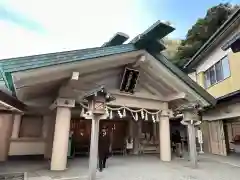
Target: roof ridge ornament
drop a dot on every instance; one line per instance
(118, 39)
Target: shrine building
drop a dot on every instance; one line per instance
(42, 105)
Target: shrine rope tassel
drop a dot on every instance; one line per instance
(121, 111)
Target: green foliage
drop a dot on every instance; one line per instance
(202, 30)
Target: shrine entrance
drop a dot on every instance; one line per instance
(175, 125)
(81, 135)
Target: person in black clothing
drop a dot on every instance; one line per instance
(173, 142)
(178, 142)
(103, 148)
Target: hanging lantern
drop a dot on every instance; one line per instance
(124, 112)
(142, 114)
(82, 112)
(146, 116)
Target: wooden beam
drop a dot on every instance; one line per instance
(152, 90)
(87, 79)
(162, 87)
(141, 59)
(171, 97)
(138, 95)
(75, 75)
(154, 76)
(177, 96)
(151, 84)
(58, 72)
(62, 102)
(95, 76)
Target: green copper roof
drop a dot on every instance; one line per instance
(156, 32)
(43, 60)
(151, 38)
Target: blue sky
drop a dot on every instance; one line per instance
(39, 26)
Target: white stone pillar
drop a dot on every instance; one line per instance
(94, 147)
(6, 124)
(16, 125)
(61, 136)
(165, 143)
(192, 144)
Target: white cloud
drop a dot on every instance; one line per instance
(68, 24)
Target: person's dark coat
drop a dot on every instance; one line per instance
(177, 137)
(103, 145)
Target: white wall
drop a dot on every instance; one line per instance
(217, 54)
(224, 112)
(25, 147)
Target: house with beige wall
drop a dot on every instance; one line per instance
(52, 86)
(216, 67)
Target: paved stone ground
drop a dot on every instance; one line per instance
(131, 168)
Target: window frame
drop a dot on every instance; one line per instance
(213, 67)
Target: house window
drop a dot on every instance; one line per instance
(217, 72)
(31, 127)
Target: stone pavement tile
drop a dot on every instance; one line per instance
(40, 178)
(152, 170)
(137, 168)
(232, 159)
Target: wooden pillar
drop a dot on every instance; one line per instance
(192, 144)
(94, 147)
(164, 137)
(131, 132)
(16, 125)
(131, 128)
(61, 136)
(137, 137)
(6, 125)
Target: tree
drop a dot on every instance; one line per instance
(202, 30)
(171, 47)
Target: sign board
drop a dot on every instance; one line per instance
(129, 80)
